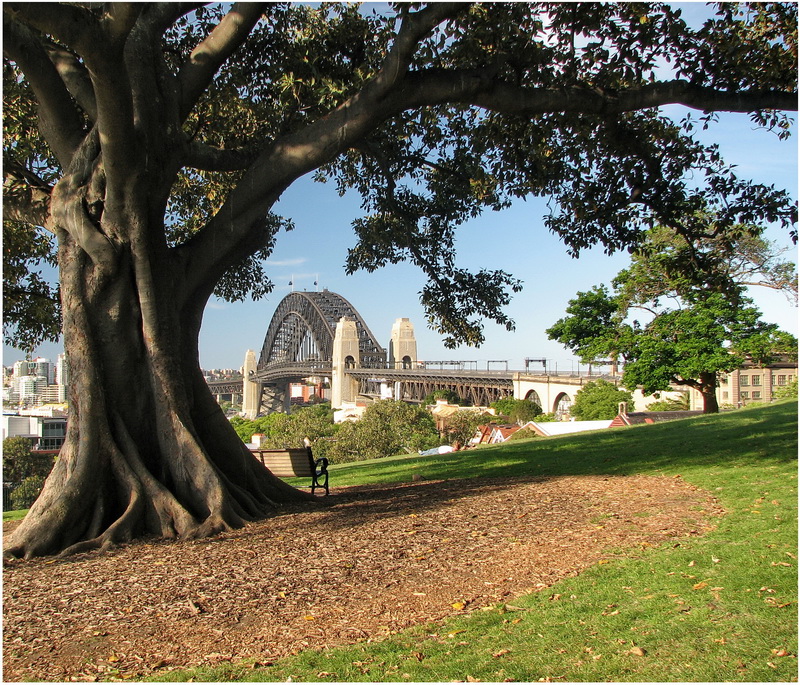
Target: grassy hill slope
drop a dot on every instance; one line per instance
(722, 607)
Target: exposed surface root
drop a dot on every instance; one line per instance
(380, 559)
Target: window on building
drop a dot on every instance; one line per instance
(755, 380)
(781, 380)
(724, 394)
(756, 394)
(744, 395)
(744, 380)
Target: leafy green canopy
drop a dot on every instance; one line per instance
(678, 313)
(433, 113)
(386, 428)
(598, 400)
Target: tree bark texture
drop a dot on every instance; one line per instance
(148, 450)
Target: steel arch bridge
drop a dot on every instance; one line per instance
(299, 344)
(300, 335)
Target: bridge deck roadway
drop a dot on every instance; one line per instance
(301, 371)
(479, 387)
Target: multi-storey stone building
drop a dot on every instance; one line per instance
(756, 383)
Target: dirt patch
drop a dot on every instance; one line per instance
(379, 560)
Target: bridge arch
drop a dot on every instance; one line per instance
(533, 396)
(562, 404)
(303, 327)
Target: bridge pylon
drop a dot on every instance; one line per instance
(403, 345)
(251, 389)
(346, 355)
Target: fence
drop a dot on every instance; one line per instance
(8, 488)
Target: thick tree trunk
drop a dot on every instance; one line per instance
(148, 450)
(708, 389)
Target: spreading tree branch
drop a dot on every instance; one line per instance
(100, 43)
(73, 25)
(161, 15)
(75, 77)
(60, 122)
(395, 89)
(415, 26)
(208, 158)
(212, 52)
(481, 88)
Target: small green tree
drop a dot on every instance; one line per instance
(273, 426)
(461, 426)
(517, 411)
(598, 400)
(689, 282)
(20, 462)
(312, 422)
(786, 391)
(25, 494)
(387, 427)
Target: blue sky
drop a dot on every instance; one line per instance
(514, 240)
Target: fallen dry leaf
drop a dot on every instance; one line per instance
(344, 565)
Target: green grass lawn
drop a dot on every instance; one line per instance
(722, 607)
(14, 515)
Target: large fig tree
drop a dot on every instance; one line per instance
(151, 140)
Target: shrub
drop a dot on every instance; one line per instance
(598, 400)
(461, 426)
(388, 427)
(785, 391)
(26, 492)
(19, 461)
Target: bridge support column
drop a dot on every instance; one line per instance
(403, 345)
(346, 354)
(251, 389)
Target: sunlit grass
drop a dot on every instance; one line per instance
(15, 515)
(722, 607)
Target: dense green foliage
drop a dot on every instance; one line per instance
(288, 430)
(787, 391)
(598, 400)
(696, 323)
(19, 462)
(25, 494)
(517, 411)
(460, 427)
(719, 607)
(387, 427)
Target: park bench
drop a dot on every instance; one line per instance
(296, 463)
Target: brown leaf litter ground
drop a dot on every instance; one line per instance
(381, 559)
